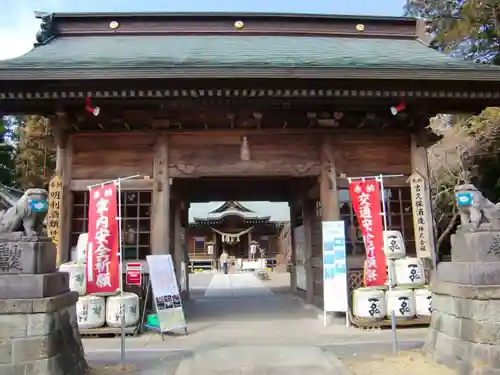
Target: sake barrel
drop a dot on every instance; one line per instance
(81, 247)
(369, 303)
(409, 272)
(394, 245)
(402, 301)
(90, 312)
(130, 308)
(76, 276)
(423, 301)
(73, 254)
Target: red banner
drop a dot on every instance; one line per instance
(365, 197)
(103, 263)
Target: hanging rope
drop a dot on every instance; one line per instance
(232, 238)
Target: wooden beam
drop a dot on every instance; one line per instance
(293, 224)
(178, 253)
(133, 185)
(419, 164)
(185, 225)
(308, 216)
(329, 196)
(160, 217)
(64, 159)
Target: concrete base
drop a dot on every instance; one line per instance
(465, 326)
(469, 273)
(483, 246)
(19, 255)
(41, 337)
(34, 286)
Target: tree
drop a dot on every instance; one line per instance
(7, 164)
(35, 161)
(468, 149)
(470, 28)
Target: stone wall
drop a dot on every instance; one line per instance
(465, 326)
(40, 336)
(38, 328)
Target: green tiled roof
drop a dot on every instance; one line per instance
(126, 52)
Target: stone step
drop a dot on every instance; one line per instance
(33, 286)
(470, 273)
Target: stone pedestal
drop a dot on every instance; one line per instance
(465, 326)
(38, 327)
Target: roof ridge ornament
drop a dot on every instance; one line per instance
(47, 30)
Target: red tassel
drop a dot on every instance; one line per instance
(88, 107)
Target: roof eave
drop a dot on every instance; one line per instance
(232, 15)
(95, 74)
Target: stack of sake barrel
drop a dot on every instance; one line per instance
(409, 297)
(94, 311)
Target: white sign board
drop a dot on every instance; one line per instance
(422, 219)
(166, 293)
(334, 266)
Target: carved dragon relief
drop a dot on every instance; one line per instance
(185, 169)
(305, 167)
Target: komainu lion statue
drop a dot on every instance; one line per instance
(27, 214)
(475, 210)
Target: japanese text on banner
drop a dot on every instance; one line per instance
(365, 197)
(102, 253)
(421, 216)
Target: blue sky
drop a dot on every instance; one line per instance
(18, 26)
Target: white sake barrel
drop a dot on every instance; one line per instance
(73, 254)
(423, 302)
(90, 312)
(394, 245)
(130, 307)
(409, 272)
(77, 280)
(402, 301)
(81, 247)
(369, 303)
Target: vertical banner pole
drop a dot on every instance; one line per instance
(389, 268)
(120, 249)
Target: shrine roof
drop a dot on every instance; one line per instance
(261, 211)
(232, 208)
(207, 45)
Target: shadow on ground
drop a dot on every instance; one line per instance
(368, 350)
(144, 362)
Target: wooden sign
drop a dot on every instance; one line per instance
(422, 220)
(54, 212)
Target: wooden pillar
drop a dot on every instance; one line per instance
(329, 197)
(185, 223)
(293, 224)
(178, 253)
(64, 163)
(249, 243)
(419, 164)
(160, 218)
(309, 208)
(214, 255)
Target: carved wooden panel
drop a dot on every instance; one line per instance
(283, 155)
(112, 156)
